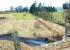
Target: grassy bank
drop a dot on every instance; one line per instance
(58, 17)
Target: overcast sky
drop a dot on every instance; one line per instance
(6, 4)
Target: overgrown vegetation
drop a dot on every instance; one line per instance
(58, 17)
(42, 11)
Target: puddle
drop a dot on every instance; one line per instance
(29, 41)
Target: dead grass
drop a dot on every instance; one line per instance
(28, 28)
(8, 45)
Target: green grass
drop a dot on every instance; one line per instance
(24, 16)
(58, 17)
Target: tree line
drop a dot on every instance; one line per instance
(34, 8)
(38, 10)
(19, 9)
(42, 11)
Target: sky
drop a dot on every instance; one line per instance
(6, 4)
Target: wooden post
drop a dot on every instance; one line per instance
(15, 40)
(66, 7)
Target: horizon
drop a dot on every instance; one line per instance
(6, 4)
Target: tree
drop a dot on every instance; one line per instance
(19, 9)
(16, 9)
(11, 9)
(33, 8)
(51, 9)
(39, 7)
(25, 9)
(54, 9)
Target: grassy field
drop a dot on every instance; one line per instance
(57, 17)
(19, 16)
(24, 16)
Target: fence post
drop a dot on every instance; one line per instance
(66, 7)
(15, 39)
